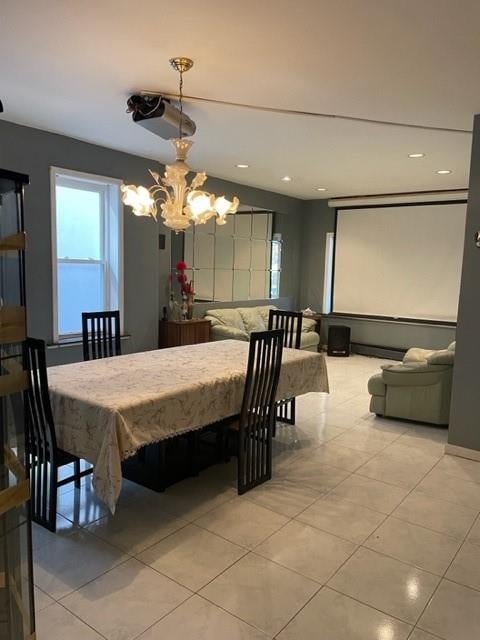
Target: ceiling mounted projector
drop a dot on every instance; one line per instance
(159, 116)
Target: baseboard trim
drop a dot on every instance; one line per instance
(462, 452)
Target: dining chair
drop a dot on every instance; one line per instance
(255, 424)
(101, 334)
(291, 323)
(44, 458)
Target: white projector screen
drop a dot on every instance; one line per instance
(399, 261)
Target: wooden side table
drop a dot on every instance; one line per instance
(177, 333)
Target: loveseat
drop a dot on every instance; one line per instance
(419, 389)
(238, 324)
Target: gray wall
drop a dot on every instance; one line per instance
(33, 152)
(464, 428)
(318, 220)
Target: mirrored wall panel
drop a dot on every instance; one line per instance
(240, 260)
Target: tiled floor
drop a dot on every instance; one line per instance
(367, 532)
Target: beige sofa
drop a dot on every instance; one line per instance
(237, 324)
(419, 389)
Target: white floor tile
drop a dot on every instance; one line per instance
(334, 616)
(194, 497)
(42, 600)
(67, 563)
(418, 634)
(309, 551)
(465, 569)
(198, 619)
(400, 472)
(446, 487)
(192, 556)
(453, 613)
(393, 587)
(373, 494)
(261, 593)
(136, 526)
(242, 522)
(337, 456)
(81, 506)
(474, 534)
(309, 472)
(342, 518)
(460, 468)
(445, 517)
(283, 496)
(127, 600)
(56, 623)
(416, 545)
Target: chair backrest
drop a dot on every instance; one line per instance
(39, 412)
(290, 322)
(257, 416)
(101, 334)
(41, 440)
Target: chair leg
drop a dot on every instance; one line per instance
(52, 499)
(77, 471)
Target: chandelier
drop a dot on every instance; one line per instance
(180, 204)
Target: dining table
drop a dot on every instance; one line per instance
(106, 410)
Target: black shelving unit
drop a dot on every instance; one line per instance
(16, 584)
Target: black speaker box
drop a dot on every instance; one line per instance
(338, 341)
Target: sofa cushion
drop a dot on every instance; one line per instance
(228, 317)
(415, 354)
(252, 319)
(264, 311)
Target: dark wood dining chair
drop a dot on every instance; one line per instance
(43, 455)
(255, 424)
(101, 334)
(291, 323)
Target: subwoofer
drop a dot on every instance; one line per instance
(338, 341)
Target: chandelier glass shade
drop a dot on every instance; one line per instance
(181, 203)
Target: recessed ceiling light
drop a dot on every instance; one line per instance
(443, 172)
(286, 179)
(242, 166)
(321, 189)
(416, 155)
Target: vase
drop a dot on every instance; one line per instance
(189, 306)
(184, 307)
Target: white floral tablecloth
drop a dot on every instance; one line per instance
(105, 410)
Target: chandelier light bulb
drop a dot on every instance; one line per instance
(140, 199)
(199, 202)
(222, 205)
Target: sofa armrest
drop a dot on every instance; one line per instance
(224, 332)
(308, 324)
(444, 356)
(411, 375)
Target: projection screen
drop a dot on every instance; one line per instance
(399, 261)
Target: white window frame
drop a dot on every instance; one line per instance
(112, 239)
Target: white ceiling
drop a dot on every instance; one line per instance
(69, 66)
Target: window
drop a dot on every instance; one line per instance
(328, 276)
(275, 266)
(87, 247)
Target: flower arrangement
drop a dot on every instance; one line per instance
(186, 287)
